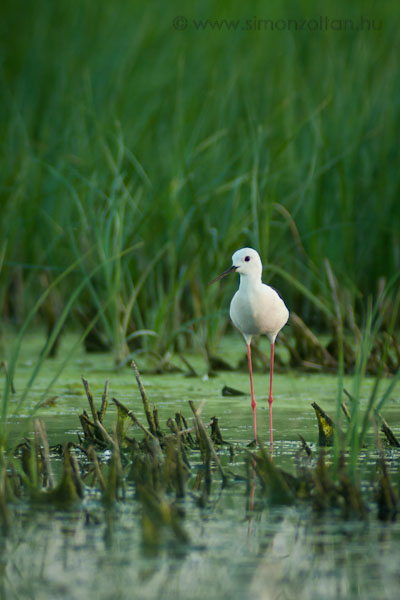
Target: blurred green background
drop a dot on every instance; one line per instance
(140, 156)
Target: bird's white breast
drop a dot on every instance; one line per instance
(258, 309)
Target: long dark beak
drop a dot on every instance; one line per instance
(224, 274)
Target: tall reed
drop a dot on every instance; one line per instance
(281, 139)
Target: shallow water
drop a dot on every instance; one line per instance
(280, 553)
(233, 552)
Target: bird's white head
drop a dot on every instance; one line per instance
(247, 262)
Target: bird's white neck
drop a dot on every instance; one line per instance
(249, 280)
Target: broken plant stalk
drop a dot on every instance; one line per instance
(146, 405)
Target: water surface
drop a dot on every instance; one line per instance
(234, 552)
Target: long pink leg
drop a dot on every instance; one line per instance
(253, 402)
(270, 399)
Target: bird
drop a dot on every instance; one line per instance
(255, 309)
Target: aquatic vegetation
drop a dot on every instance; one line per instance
(164, 470)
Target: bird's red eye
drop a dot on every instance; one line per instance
(247, 258)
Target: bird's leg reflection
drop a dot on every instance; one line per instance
(252, 488)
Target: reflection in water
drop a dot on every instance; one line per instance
(280, 553)
(324, 559)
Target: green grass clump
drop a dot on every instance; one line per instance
(162, 151)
